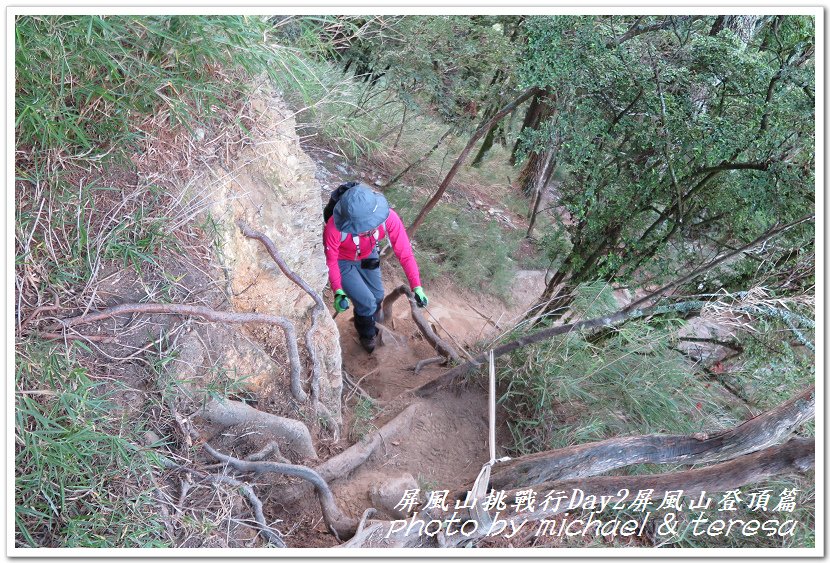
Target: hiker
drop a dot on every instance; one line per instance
(357, 218)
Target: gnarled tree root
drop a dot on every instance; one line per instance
(293, 432)
(344, 463)
(211, 315)
(319, 309)
(435, 341)
(339, 523)
(270, 534)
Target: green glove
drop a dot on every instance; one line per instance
(341, 302)
(420, 296)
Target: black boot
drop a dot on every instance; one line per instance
(367, 331)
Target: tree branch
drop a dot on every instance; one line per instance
(435, 341)
(527, 94)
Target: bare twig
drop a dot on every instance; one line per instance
(210, 315)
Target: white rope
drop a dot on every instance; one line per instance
(482, 482)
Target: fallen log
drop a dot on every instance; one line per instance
(585, 460)
(796, 456)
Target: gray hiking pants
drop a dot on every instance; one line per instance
(364, 287)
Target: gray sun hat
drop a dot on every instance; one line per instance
(360, 210)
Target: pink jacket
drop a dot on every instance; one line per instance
(346, 250)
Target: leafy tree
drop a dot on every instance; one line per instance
(676, 137)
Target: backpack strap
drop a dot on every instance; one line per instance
(356, 239)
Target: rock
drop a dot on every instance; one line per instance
(479, 202)
(342, 168)
(199, 133)
(273, 187)
(379, 182)
(388, 493)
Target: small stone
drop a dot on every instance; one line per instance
(479, 202)
(386, 494)
(199, 133)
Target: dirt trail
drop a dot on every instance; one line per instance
(447, 443)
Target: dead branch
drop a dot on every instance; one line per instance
(796, 456)
(445, 183)
(601, 323)
(210, 315)
(232, 413)
(585, 460)
(339, 523)
(435, 341)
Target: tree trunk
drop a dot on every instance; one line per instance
(463, 156)
(586, 460)
(420, 160)
(542, 179)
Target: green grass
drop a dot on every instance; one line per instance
(466, 247)
(80, 480)
(81, 81)
(568, 390)
(364, 413)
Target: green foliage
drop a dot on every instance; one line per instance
(83, 81)
(450, 66)
(473, 251)
(364, 412)
(674, 142)
(568, 390)
(79, 479)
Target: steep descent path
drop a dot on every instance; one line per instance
(447, 441)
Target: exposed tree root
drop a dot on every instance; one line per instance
(211, 315)
(270, 534)
(344, 463)
(428, 361)
(586, 460)
(319, 309)
(435, 341)
(271, 449)
(339, 523)
(796, 456)
(231, 413)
